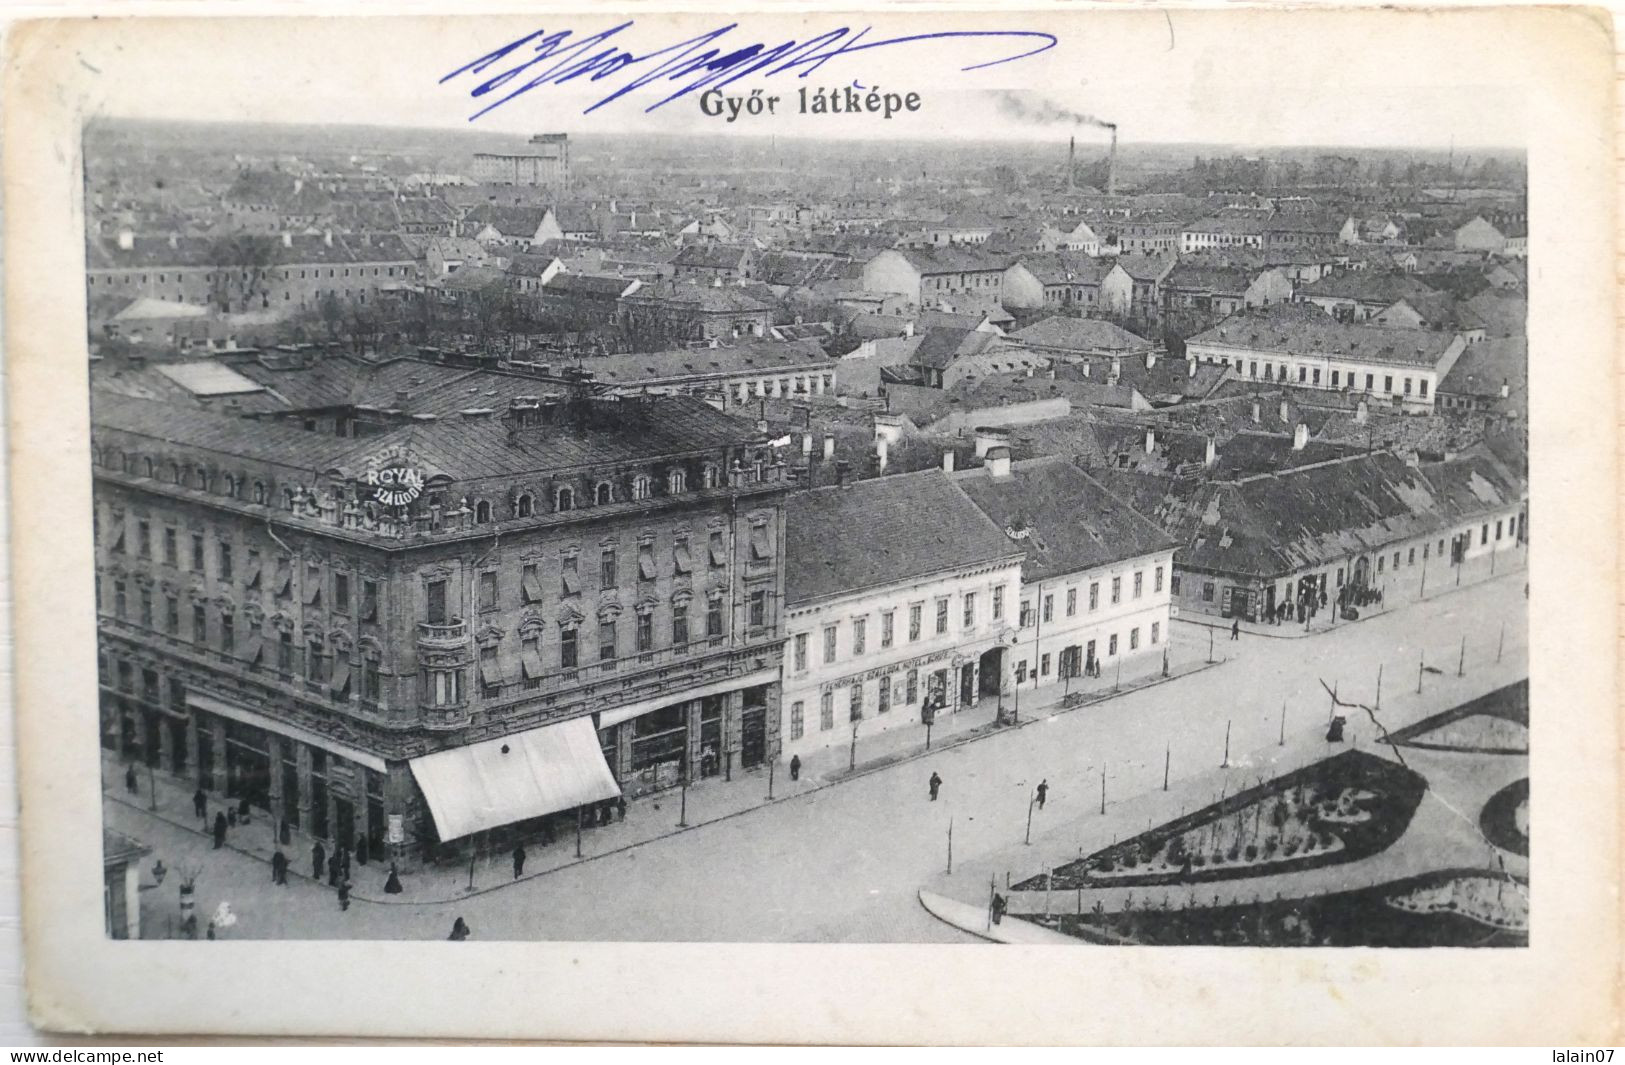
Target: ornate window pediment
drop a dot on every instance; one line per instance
(682, 596)
(570, 616)
(488, 635)
(646, 605)
(531, 624)
(609, 611)
(281, 622)
(340, 641)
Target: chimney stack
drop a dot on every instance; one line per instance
(126, 240)
(1071, 164)
(948, 461)
(1150, 441)
(806, 443)
(1150, 360)
(1190, 366)
(829, 447)
(842, 468)
(1506, 388)
(1258, 414)
(1111, 166)
(287, 240)
(1360, 413)
(1285, 414)
(881, 456)
(1212, 455)
(1300, 436)
(998, 462)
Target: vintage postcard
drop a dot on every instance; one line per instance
(757, 526)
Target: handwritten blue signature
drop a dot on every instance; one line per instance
(694, 59)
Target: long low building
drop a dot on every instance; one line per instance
(1300, 344)
(1247, 545)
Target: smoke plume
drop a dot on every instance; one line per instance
(1033, 109)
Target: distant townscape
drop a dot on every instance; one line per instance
(464, 502)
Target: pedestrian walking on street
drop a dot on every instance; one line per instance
(459, 931)
(242, 810)
(620, 807)
(333, 870)
(231, 816)
(318, 860)
(1043, 791)
(392, 886)
(998, 907)
(200, 805)
(129, 779)
(343, 854)
(795, 767)
(518, 861)
(279, 868)
(936, 782)
(219, 830)
(344, 894)
(361, 850)
(1235, 629)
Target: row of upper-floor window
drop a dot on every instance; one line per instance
(125, 278)
(1312, 376)
(575, 642)
(522, 504)
(1045, 606)
(536, 583)
(987, 279)
(858, 631)
(320, 658)
(323, 587)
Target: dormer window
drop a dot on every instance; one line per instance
(482, 512)
(564, 499)
(523, 507)
(604, 494)
(709, 476)
(642, 486)
(676, 481)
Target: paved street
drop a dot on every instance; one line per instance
(845, 863)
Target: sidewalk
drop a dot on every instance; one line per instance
(648, 819)
(1476, 572)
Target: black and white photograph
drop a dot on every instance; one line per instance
(1001, 479)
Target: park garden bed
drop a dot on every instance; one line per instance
(1497, 723)
(1505, 818)
(1448, 908)
(1340, 809)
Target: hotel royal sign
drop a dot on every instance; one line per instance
(394, 477)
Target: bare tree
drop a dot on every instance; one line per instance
(242, 265)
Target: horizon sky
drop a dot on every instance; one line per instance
(1333, 79)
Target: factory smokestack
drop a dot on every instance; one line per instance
(1111, 166)
(1071, 164)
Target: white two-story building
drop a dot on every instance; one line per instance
(900, 594)
(1096, 577)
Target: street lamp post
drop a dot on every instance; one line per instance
(1461, 663)
(1226, 763)
(852, 762)
(1031, 799)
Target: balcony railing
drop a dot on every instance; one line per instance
(446, 634)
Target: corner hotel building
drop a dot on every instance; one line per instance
(449, 627)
